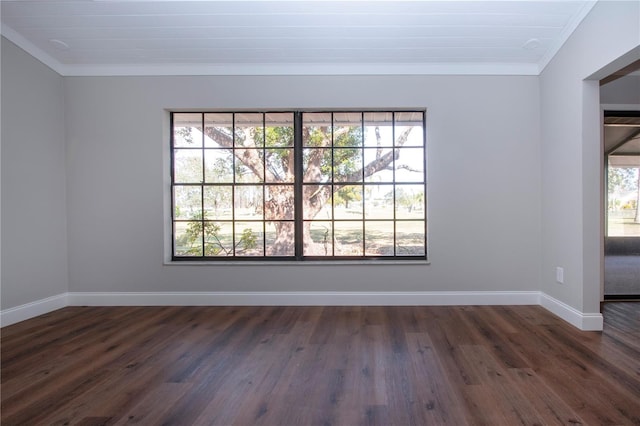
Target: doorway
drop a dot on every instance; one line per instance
(622, 204)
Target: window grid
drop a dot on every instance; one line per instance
(364, 223)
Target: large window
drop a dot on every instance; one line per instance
(298, 185)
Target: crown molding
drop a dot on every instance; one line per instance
(466, 68)
(304, 69)
(17, 39)
(566, 33)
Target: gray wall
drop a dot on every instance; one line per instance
(572, 152)
(514, 175)
(483, 188)
(623, 91)
(34, 231)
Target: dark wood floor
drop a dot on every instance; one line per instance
(320, 366)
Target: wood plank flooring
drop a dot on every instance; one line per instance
(465, 365)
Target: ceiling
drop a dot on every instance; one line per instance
(622, 136)
(126, 37)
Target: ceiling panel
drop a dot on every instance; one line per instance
(500, 35)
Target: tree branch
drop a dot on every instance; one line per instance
(379, 163)
(249, 157)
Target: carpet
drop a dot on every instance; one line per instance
(621, 275)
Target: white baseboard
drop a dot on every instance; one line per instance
(33, 309)
(305, 298)
(583, 321)
(588, 321)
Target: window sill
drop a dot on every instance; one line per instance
(295, 263)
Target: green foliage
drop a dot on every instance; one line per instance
(279, 136)
(409, 200)
(248, 240)
(270, 137)
(347, 194)
(215, 243)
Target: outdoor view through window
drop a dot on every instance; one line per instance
(623, 196)
(299, 185)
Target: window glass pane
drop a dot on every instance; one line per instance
(249, 239)
(317, 165)
(379, 164)
(348, 238)
(279, 165)
(378, 202)
(187, 165)
(283, 244)
(347, 129)
(218, 202)
(409, 167)
(408, 129)
(378, 129)
(410, 202)
(318, 238)
(188, 238)
(249, 166)
(249, 130)
(218, 165)
(347, 165)
(187, 202)
(347, 202)
(378, 239)
(280, 204)
(187, 130)
(410, 238)
(315, 202)
(218, 130)
(218, 238)
(316, 130)
(279, 129)
(248, 203)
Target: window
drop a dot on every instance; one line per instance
(298, 185)
(622, 152)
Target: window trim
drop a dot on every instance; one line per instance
(299, 257)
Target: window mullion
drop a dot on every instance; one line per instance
(234, 160)
(202, 215)
(297, 182)
(264, 184)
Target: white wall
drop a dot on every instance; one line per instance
(34, 231)
(572, 152)
(483, 189)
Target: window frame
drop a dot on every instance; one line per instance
(299, 184)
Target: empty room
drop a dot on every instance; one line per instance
(317, 212)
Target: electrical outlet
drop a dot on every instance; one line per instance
(560, 274)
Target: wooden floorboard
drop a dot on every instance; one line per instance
(466, 365)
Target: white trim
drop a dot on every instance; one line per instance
(304, 69)
(33, 50)
(566, 33)
(620, 107)
(33, 309)
(304, 298)
(583, 321)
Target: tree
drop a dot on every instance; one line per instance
(275, 164)
(624, 179)
(637, 218)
